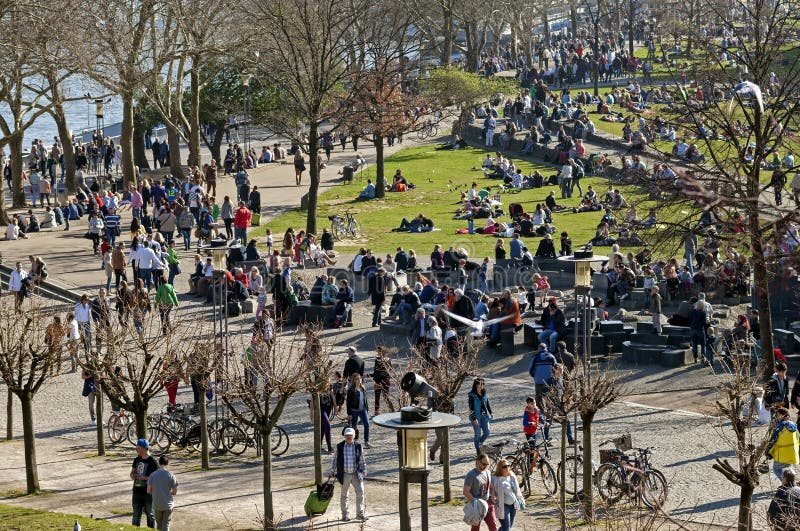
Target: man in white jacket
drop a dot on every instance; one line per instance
(16, 285)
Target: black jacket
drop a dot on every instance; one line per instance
(377, 289)
(353, 365)
(546, 249)
(559, 321)
(315, 295)
(352, 400)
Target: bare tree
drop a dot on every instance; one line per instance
(738, 135)
(116, 51)
(318, 382)
(256, 390)
(735, 405)
(592, 392)
(302, 56)
(26, 363)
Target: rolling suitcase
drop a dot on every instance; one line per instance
(255, 219)
(318, 500)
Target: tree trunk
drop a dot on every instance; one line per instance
(66, 148)
(761, 281)
(269, 513)
(313, 172)
(194, 115)
(573, 18)
(140, 414)
(562, 479)
(139, 151)
(546, 26)
(588, 501)
(4, 218)
(631, 15)
(448, 494)
(745, 507)
(175, 167)
(17, 185)
(204, 450)
(31, 472)
(9, 412)
(317, 415)
(447, 33)
(380, 177)
(216, 143)
(98, 408)
(126, 142)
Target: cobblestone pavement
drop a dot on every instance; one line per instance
(229, 495)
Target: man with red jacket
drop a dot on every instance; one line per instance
(241, 221)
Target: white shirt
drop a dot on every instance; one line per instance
(73, 330)
(83, 313)
(15, 280)
(12, 232)
(357, 263)
(148, 259)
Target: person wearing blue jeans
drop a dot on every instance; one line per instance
(143, 466)
(480, 413)
(357, 405)
(554, 324)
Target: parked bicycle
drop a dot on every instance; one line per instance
(619, 474)
(237, 437)
(527, 458)
(428, 130)
(117, 425)
(345, 225)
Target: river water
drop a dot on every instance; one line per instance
(80, 114)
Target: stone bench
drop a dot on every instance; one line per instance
(641, 354)
(305, 312)
(531, 331)
(396, 328)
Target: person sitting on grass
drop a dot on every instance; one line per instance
(368, 192)
(399, 183)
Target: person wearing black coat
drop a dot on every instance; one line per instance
(546, 248)
(377, 292)
(315, 295)
(353, 365)
(255, 201)
(697, 324)
(381, 378)
(280, 287)
(463, 306)
(326, 242)
(251, 252)
(554, 323)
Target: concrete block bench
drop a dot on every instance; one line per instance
(396, 328)
(531, 331)
(305, 312)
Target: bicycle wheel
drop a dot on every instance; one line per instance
(160, 438)
(434, 131)
(192, 436)
(337, 230)
(571, 474)
(283, 442)
(610, 483)
(654, 489)
(355, 228)
(519, 466)
(422, 133)
(214, 430)
(116, 429)
(548, 477)
(234, 439)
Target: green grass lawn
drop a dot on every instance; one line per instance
(440, 176)
(15, 518)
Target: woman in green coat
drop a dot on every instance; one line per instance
(165, 300)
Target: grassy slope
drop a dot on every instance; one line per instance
(421, 165)
(23, 518)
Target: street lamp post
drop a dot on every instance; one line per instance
(99, 114)
(412, 425)
(245, 77)
(582, 261)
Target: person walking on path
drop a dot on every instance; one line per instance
(697, 324)
(358, 405)
(89, 392)
(299, 166)
(377, 293)
(349, 468)
(241, 222)
(162, 486)
(353, 365)
(227, 215)
(480, 413)
(143, 466)
(165, 300)
(784, 444)
(478, 485)
(507, 495)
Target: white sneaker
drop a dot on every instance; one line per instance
(94, 422)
